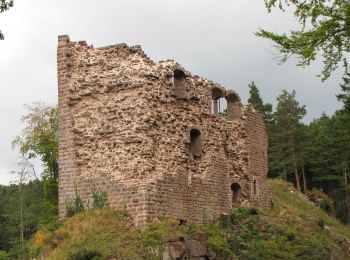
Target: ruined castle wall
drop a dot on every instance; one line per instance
(104, 106)
(257, 149)
(67, 162)
(197, 189)
(127, 124)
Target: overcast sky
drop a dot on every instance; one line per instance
(211, 38)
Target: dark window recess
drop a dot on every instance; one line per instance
(180, 84)
(196, 143)
(233, 109)
(182, 222)
(236, 192)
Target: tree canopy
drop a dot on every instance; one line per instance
(4, 6)
(325, 31)
(39, 137)
(257, 103)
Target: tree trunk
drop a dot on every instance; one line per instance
(304, 178)
(347, 205)
(296, 174)
(21, 218)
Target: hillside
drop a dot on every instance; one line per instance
(294, 229)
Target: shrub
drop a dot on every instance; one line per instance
(3, 255)
(321, 200)
(240, 213)
(291, 234)
(327, 205)
(84, 253)
(321, 223)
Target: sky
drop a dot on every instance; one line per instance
(211, 38)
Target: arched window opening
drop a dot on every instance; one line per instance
(196, 143)
(254, 187)
(180, 84)
(216, 94)
(236, 192)
(233, 106)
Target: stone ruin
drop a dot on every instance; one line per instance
(150, 134)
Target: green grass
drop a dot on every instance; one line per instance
(293, 229)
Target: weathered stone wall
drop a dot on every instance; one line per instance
(128, 125)
(257, 148)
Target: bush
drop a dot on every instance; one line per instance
(84, 254)
(321, 200)
(240, 213)
(3, 255)
(321, 223)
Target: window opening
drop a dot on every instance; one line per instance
(236, 192)
(196, 143)
(180, 84)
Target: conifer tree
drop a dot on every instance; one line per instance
(257, 103)
(287, 136)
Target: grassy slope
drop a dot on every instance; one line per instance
(293, 229)
(293, 213)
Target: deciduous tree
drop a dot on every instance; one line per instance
(325, 31)
(39, 137)
(4, 6)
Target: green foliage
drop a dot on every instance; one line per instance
(286, 136)
(257, 103)
(3, 255)
(218, 239)
(321, 223)
(4, 6)
(85, 253)
(102, 234)
(75, 205)
(39, 137)
(344, 96)
(154, 236)
(100, 198)
(34, 215)
(240, 213)
(321, 200)
(293, 229)
(324, 30)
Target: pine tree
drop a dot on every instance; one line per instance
(287, 137)
(257, 103)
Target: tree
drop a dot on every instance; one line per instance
(325, 30)
(4, 6)
(22, 175)
(39, 137)
(257, 103)
(287, 135)
(344, 97)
